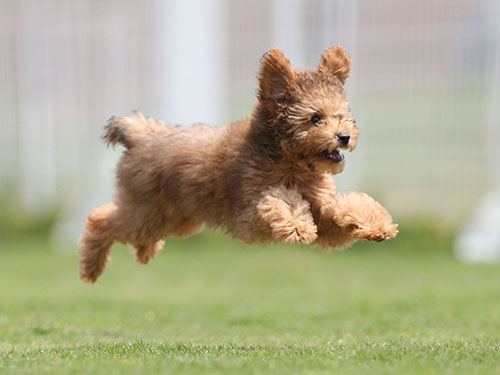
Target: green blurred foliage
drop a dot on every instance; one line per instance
(16, 221)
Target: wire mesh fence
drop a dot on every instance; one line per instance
(424, 88)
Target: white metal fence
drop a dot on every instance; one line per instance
(424, 88)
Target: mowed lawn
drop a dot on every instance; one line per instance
(211, 305)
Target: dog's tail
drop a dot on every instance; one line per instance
(128, 130)
(95, 244)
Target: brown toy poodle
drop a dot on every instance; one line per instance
(266, 178)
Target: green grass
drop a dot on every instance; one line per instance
(211, 305)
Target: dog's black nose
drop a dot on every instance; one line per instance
(343, 138)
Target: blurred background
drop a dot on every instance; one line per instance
(424, 88)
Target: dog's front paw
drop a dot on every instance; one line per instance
(302, 233)
(363, 217)
(300, 237)
(374, 233)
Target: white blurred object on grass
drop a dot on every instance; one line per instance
(479, 241)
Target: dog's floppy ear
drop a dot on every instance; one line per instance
(337, 62)
(275, 75)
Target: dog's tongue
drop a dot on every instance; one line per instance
(335, 154)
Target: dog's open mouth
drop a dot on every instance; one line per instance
(334, 156)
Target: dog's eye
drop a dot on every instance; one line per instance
(315, 119)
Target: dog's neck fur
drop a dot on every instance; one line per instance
(263, 140)
(264, 134)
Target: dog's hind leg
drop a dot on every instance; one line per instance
(185, 228)
(96, 242)
(144, 253)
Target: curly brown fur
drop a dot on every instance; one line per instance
(263, 179)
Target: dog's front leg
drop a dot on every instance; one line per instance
(362, 217)
(288, 215)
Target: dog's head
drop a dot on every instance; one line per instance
(307, 111)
